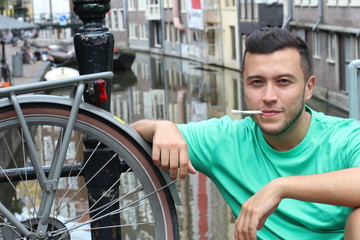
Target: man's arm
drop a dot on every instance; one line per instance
(339, 188)
(352, 229)
(169, 149)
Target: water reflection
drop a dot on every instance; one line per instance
(181, 91)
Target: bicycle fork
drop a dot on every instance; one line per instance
(48, 184)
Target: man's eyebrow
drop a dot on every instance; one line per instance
(249, 78)
(286, 75)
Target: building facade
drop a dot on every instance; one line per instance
(332, 29)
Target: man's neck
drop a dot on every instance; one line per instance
(292, 137)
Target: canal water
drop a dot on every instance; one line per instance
(180, 90)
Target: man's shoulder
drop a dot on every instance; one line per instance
(334, 123)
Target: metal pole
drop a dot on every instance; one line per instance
(353, 69)
(94, 46)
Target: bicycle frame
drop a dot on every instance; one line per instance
(49, 184)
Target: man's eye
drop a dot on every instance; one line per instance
(284, 81)
(256, 83)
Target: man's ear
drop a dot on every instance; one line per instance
(310, 84)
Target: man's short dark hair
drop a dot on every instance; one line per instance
(268, 40)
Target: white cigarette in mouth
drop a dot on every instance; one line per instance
(245, 112)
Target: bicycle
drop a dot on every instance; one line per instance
(47, 174)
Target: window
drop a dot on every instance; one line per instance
(233, 42)
(114, 19)
(297, 2)
(305, 3)
(249, 9)
(314, 3)
(242, 10)
(348, 57)
(172, 35)
(210, 35)
(331, 3)
(317, 45)
(354, 3)
(121, 19)
(229, 3)
(143, 33)
(131, 5)
(132, 30)
(343, 3)
(108, 22)
(167, 31)
(255, 12)
(331, 47)
(235, 93)
(142, 4)
(158, 34)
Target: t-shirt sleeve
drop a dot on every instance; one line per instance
(354, 145)
(351, 144)
(202, 139)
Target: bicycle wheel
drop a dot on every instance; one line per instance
(139, 209)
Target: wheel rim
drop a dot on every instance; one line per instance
(143, 227)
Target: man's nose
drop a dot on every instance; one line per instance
(270, 94)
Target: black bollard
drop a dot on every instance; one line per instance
(94, 46)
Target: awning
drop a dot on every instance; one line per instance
(10, 28)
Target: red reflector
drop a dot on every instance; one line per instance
(101, 84)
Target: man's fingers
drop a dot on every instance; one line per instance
(183, 164)
(156, 155)
(174, 158)
(191, 168)
(238, 227)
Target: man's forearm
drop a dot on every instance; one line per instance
(340, 188)
(146, 128)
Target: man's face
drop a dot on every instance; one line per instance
(274, 83)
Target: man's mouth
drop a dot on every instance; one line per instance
(269, 113)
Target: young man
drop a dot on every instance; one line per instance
(287, 173)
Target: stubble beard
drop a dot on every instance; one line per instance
(287, 124)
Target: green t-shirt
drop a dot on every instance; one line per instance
(235, 155)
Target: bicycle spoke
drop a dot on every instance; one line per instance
(132, 203)
(105, 227)
(118, 211)
(104, 207)
(85, 185)
(78, 175)
(16, 166)
(124, 198)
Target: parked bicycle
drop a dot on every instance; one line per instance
(45, 173)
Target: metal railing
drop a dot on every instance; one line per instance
(354, 98)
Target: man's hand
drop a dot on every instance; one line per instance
(170, 151)
(256, 210)
(169, 147)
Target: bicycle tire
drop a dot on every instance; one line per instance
(44, 116)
